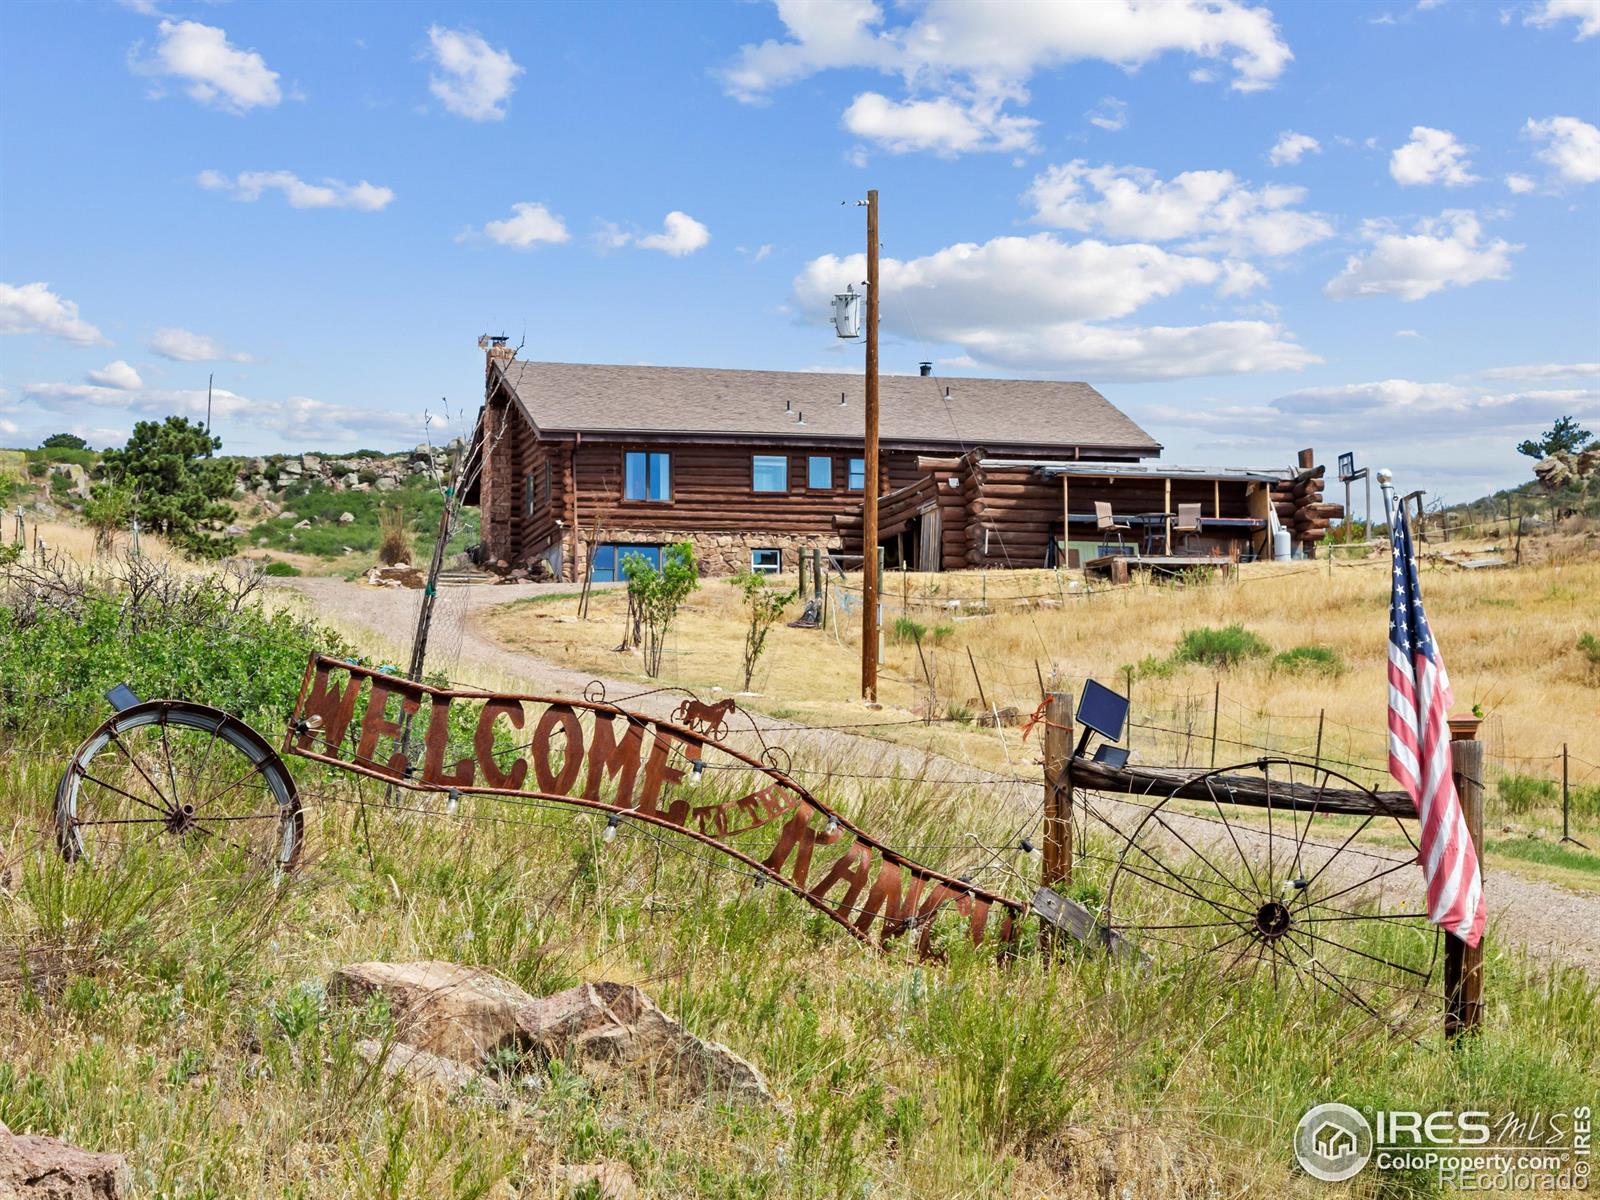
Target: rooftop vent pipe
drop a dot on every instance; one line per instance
(925, 367)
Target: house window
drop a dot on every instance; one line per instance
(858, 474)
(769, 473)
(530, 485)
(548, 476)
(608, 560)
(766, 562)
(819, 472)
(647, 476)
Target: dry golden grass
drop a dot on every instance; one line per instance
(1509, 637)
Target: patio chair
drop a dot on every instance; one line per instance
(1105, 523)
(1188, 525)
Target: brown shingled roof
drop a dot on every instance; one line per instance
(707, 402)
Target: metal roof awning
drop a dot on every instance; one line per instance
(1051, 468)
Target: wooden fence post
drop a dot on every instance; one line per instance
(1057, 790)
(1463, 964)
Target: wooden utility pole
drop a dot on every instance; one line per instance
(1463, 964)
(869, 507)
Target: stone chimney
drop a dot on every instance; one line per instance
(496, 349)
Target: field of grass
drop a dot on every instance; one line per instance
(172, 1005)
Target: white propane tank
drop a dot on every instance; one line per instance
(1282, 547)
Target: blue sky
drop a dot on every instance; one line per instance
(1252, 226)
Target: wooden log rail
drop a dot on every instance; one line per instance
(1157, 783)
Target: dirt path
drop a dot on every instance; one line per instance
(1554, 924)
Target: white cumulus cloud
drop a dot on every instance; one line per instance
(1038, 304)
(1431, 156)
(1570, 146)
(1550, 12)
(1110, 114)
(527, 226)
(944, 126)
(182, 345)
(214, 71)
(1520, 184)
(330, 193)
(1208, 210)
(981, 56)
(1291, 147)
(34, 308)
(1447, 251)
(680, 234)
(115, 375)
(472, 79)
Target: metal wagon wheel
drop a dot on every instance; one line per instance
(169, 771)
(1282, 893)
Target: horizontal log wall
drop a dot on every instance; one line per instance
(711, 490)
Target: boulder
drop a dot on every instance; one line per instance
(604, 1180)
(347, 518)
(447, 1010)
(288, 514)
(235, 531)
(387, 483)
(605, 1027)
(48, 1168)
(302, 524)
(418, 1068)
(310, 463)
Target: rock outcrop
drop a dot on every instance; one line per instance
(33, 1167)
(603, 1029)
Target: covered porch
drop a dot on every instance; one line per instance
(976, 511)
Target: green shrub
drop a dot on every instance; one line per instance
(1148, 667)
(1520, 793)
(1310, 660)
(279, 569)
(906, 630)
(1225, 647)
(942, 633)
(1589, 646)
(67, 639)
(956, 711)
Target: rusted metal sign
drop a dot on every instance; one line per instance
(593, 754)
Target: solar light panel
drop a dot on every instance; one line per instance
(1102, 710)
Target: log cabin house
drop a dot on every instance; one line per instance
(755, 467)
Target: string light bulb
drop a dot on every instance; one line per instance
(696, 773)
(610, 835)
(833, 825)
(1025, 846)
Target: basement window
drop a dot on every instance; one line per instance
(610, 558)
(766, 561)
(769, 473)
(858, 474)
(819, 472)
(647, 476)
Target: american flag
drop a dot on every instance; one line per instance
(1419, 750)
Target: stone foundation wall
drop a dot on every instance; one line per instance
(720, 553)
